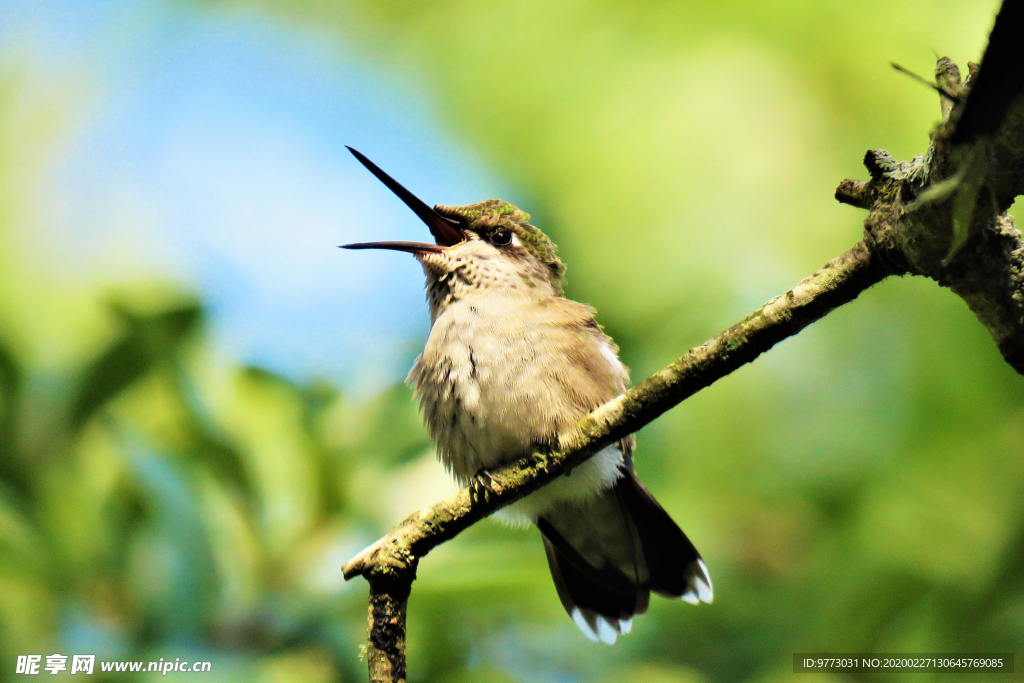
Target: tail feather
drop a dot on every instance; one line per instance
(677, 570)
(602, 601)
(608, 555)
(591, 604)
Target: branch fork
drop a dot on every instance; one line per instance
(911, 228)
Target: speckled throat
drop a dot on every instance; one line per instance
(483, 218)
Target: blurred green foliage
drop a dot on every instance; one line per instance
(861, 488)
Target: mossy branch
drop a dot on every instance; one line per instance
(940, 215)
(390, 564)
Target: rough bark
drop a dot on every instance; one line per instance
(390, 564)
(940, 215)
(385, 647)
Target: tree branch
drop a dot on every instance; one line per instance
(390, 564)
(940, 215)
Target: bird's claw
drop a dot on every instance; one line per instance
(481, 486)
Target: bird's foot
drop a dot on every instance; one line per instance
(481, 486)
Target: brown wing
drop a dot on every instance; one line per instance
(593, 374)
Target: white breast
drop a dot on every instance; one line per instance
(489, 396)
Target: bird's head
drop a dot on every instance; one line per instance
(488, 248)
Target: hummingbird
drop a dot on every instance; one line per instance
(510, 367)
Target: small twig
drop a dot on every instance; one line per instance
(855, 193)
(942, 90)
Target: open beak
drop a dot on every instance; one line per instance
(411, 247)
(446, 231)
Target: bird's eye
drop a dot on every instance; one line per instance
(501, 236)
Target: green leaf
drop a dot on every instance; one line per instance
(146, 340)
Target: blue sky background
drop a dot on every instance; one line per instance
(209, 149)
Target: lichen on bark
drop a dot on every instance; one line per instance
(940, 215)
